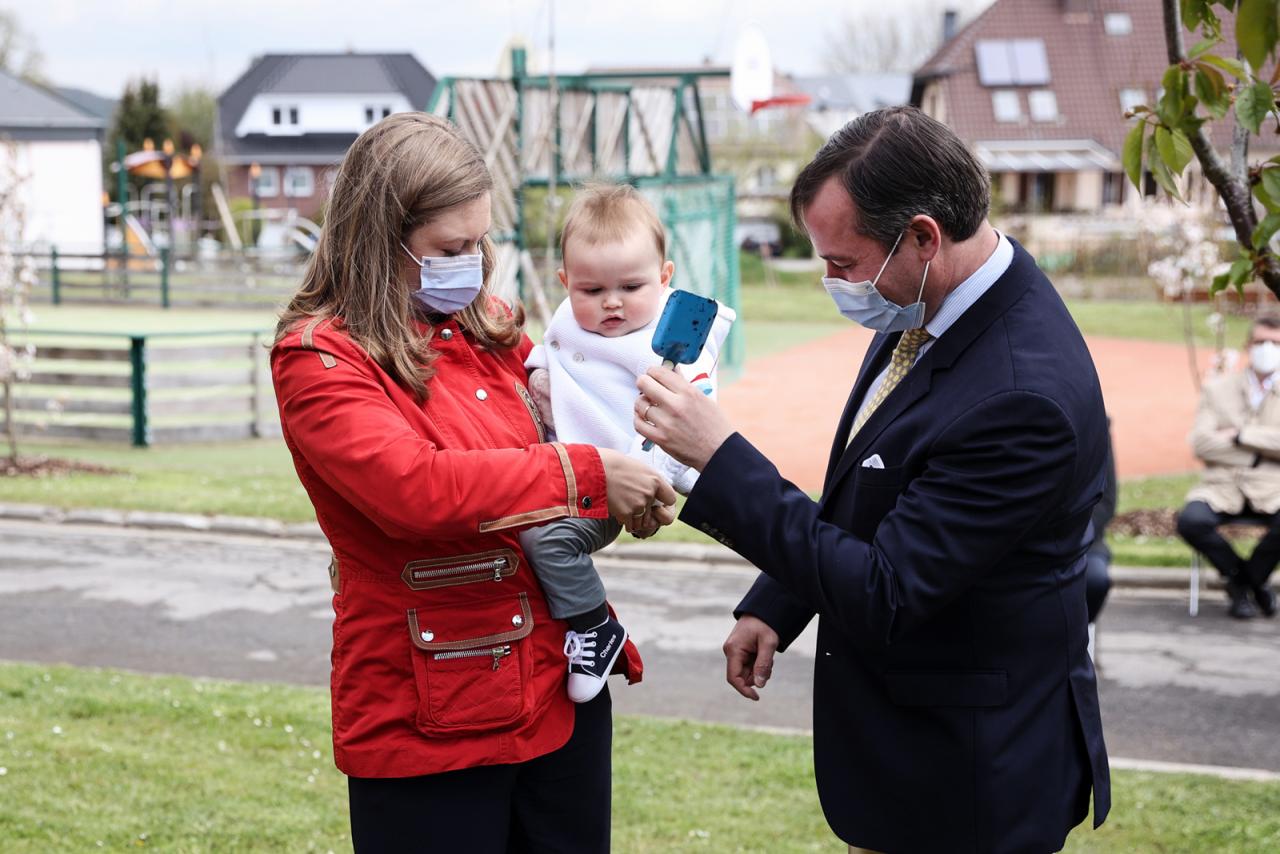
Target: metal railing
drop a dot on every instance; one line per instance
(162, 279)
(148, 388)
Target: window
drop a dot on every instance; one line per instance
(280, 112)
(1130, 98)
(1012, 62)
(373, 112)
(299, 182)
(1043, 105)
(268, 183)
(1117, 23)
(1006, 105)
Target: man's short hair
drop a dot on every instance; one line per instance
(607, 213)
(898, 163)
(1266, 321)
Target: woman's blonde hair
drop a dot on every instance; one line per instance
(399, 174)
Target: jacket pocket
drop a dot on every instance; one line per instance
(462, 569)
(472, 665)
(964, 688)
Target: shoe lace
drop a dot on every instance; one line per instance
(577, 647)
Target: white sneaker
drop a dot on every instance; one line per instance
(591, 656)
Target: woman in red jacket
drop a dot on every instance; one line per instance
(402, 398)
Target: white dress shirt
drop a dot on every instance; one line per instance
(955, 304)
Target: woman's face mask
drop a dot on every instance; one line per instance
(449, 283)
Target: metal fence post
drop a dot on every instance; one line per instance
(55, 280)
(165, 256)
(138, 365)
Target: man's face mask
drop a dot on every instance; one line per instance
(449, 284)
(863, 304)
(1265, 357)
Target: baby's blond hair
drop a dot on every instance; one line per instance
(606, 213)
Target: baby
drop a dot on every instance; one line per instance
(583, 376)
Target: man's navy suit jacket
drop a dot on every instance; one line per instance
(955, 705)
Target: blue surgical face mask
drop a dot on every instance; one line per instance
(450, 283)
(863, 304)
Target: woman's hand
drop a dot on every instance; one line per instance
(634, 489)
(679, 418)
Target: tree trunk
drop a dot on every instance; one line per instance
(1233, 189)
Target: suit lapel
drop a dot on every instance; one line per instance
(877, 355)
(991, 306)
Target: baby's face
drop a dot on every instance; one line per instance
(615, 287)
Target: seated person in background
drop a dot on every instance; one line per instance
(1237, 435)
(583, 378)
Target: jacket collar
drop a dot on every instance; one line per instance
(991, 306)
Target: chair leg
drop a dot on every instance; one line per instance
(1194, 607)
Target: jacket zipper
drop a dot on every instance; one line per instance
(497, 653)
(420, 575)
(495, 566)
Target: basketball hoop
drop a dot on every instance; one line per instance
(751, 77)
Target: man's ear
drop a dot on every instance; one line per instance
(564, 280)
(924, 236)
(668, 269)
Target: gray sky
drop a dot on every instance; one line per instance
(100, 45)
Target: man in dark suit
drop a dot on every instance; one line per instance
(955, 707)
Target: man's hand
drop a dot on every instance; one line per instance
(655, 518)
(748, 653)
(679, 418)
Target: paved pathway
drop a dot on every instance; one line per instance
(1147, 386)
(1175, 689)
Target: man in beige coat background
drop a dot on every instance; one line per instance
(1237, 435)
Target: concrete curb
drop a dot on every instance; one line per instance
(707, 556)
(155, 521)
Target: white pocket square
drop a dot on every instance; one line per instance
(873, 462)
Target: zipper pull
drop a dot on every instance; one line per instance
(498, 566)
(497, 654)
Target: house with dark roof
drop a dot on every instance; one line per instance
(58, 147)
(1039, 89)
(837, 99)
(290, 118)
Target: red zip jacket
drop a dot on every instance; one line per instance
(444, 653)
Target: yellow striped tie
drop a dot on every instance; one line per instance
(904, 356)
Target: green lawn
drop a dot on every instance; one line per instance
(105, 759)
(248, 478)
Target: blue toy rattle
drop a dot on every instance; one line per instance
(682, 331)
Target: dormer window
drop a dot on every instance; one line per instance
(1117, 23)
(280, 113)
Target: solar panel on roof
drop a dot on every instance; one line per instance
(1016, 62)
(1030, 63)
(995, 62)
